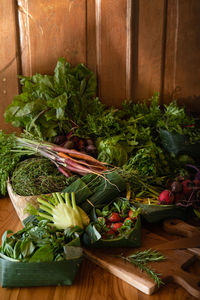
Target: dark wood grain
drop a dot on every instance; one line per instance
(50, 29)
(182, 64)
(147, 69)
(111, 35)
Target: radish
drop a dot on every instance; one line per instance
(166, 197)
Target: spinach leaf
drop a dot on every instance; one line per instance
(43, 254)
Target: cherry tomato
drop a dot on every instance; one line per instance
(114, 217)
(115, 226)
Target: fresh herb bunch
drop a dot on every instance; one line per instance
(150, 161)
(37, 175)
(39, 242)
(140, 260)
(8, 159)
(175, 119)
(51, 105)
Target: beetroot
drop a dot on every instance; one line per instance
(187, 186)
(166, 197)
(176, 187)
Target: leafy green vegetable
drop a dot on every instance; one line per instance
(8, 159)
(175, 119)
(150, 161)
(50, 105)
(38, 242)
(112, 152)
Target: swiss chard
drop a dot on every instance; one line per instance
(49, 105)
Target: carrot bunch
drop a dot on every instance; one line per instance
(68, 161)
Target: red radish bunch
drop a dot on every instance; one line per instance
(184, 192)
(166, 197)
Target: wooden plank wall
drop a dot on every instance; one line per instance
(136, 47)
(9, 57)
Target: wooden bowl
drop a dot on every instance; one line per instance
(20, 202)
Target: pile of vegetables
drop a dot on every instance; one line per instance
(184, 191)
(73, 145)
(66, 160)
(115, 225)
(40, 255)
(38, 242)
(62, 109)
(116, 219)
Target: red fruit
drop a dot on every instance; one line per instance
(187, 186)
(116, 226)
(128, 219)
(166, 197)
(114, 217)
(131, 215)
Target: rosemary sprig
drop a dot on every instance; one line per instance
(140, 260)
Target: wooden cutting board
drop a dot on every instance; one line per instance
(171, 269)
(178, 227)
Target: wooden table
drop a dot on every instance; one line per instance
(92, 282)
